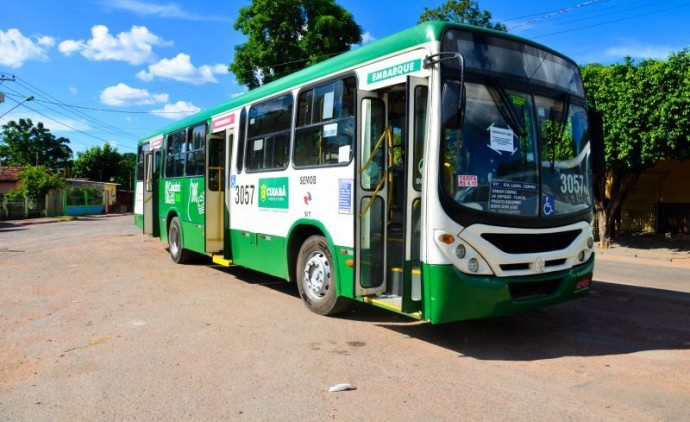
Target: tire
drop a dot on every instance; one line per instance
(316, 278)
(177, 251)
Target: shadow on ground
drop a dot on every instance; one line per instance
(614, 319)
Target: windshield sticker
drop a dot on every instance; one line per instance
(549, 205)
(514, 198)
(467, 181)
(501, 139)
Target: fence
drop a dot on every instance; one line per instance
(26, 208)
(83, 201)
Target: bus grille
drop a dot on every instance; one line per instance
(531, 243)
(534, 289)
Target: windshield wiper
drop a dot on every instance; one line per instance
(504, 105)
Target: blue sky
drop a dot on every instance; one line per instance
(116, 70)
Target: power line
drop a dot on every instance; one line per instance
(652, 12)
(557, 12)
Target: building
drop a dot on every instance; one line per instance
(660, 200)
(9, 178)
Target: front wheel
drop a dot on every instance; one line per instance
(316, 278)
(177, 251)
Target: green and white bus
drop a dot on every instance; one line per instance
(442, 173)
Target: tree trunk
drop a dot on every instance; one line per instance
(611, 190)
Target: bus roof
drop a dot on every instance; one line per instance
(420, 34)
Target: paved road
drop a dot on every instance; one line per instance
(97, 323)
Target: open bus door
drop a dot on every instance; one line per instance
(371, 193)
(148, 193)
(392, 125)
(215, 212)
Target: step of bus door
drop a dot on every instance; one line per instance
(218, 259)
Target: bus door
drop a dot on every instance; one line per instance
(371, 195)
(214, 204)
(391, 131)
(149, 175)
(416, 125)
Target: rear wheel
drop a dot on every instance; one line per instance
(177, 251)
(316, 278)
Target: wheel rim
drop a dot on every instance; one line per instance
(317, 276)
(174, 240)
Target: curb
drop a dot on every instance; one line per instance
(645, 260)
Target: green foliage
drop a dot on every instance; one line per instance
(285, 36)
(646, 109)
(24, 144)
(103, 164)
(462, 11)
(646, 116)
(35, 182)
(84, 195)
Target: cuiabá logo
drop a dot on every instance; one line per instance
(274, 193)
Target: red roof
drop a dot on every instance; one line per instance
(10, 174)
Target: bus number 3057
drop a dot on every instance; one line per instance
(244, 194)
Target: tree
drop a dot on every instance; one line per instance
(24, 144)
(462, 11)
(35, 182)
(288, 35)
(646, 118)
(104, 164)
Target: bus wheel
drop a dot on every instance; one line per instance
(316, 278)
(177, 252)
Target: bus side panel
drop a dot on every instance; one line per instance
(139, 205)
(261, 252)
(346, 273)
(184, 197)
(453, 296)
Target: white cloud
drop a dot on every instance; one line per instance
(177, 111)
(134, 47)
(15, 48)
(168, 10)
(367, 38)
(73, 90)
(124, 95)
(640, 51)
(180, 68)
(60, 124)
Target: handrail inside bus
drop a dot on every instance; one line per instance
(386, 134)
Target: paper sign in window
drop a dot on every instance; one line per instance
(344, 154)
(328, 105)
(258, 145)
(330, 130)
(501, 139)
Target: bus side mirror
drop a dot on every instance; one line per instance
(453, 105)
(596, 131)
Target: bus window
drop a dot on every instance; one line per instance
(240, 142)
(196, 150)
(268, 143)
(175, 154)
(325, 125)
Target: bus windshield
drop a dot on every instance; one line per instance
(519, 151)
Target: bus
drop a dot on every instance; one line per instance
(443, 173)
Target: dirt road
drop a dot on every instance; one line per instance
(97, 323)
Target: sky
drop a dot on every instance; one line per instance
(113, 71)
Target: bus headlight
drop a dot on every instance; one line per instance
(590, 242)
(460, 251)
(581, 256)
(473, 265)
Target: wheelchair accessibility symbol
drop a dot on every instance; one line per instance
(548, 208)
